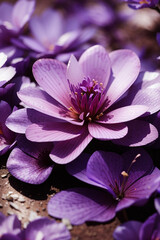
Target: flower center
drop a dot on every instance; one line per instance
(88, 100)
(119, 190)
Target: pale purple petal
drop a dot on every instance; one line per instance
(6, 73)
(10, 224)
(125, 68)
(80, 205)
(52, 131)
(157, 204)
(40, 101)
(66, 151)
(123, 114)
(129, 229)
(32, 44)
(103, 168)
(150, 97)
(75, 74)
(96, 64)
(51, 76)
(22, 11)
(139, 133)
(107, 132)
(27, 168)
(3, 59)
(18, 121)
(46, 229)
(41, 27)
(5, 12)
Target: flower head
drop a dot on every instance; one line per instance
(122, 182)
(81, 102)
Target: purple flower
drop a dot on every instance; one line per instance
(67, 34)
(46, 229)
(129, 229)
(6, 73)
(122, 181)
(81, 102)
(10, 227)
(136, 4)
(30, 162)
(150, 229)
(14, 17)
(7, 138)
(42, 228)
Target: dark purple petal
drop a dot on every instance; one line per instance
(80, 205)
(140, 168)
(150, 228)
(77, 168)
(104, 168)
(141, 189)
(129, 229)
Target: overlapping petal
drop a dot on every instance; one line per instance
(125, 68)
(96, 64)
(80, 205)
(51, 76)
(107, 132)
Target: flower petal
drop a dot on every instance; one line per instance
(77, 168)
(27, 168)
(80, 205)
(107, 132)
(50, 74)
(3, 59)
(52, 131)
(66, 151)
(130, 228)
(141, 189)
(103, 168)
(141, 167)
(139, 133)
(96, 64)
(22, 11)
(123, 114)
(125, 68)
(75, 74)
(46, 228)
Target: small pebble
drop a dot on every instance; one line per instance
(3, 175)
(1, 206)
(67, 223)
(13, 205)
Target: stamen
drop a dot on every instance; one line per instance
(70, 108)
(124, 174)
(90, 119)
(1, 132)
(76, 93)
